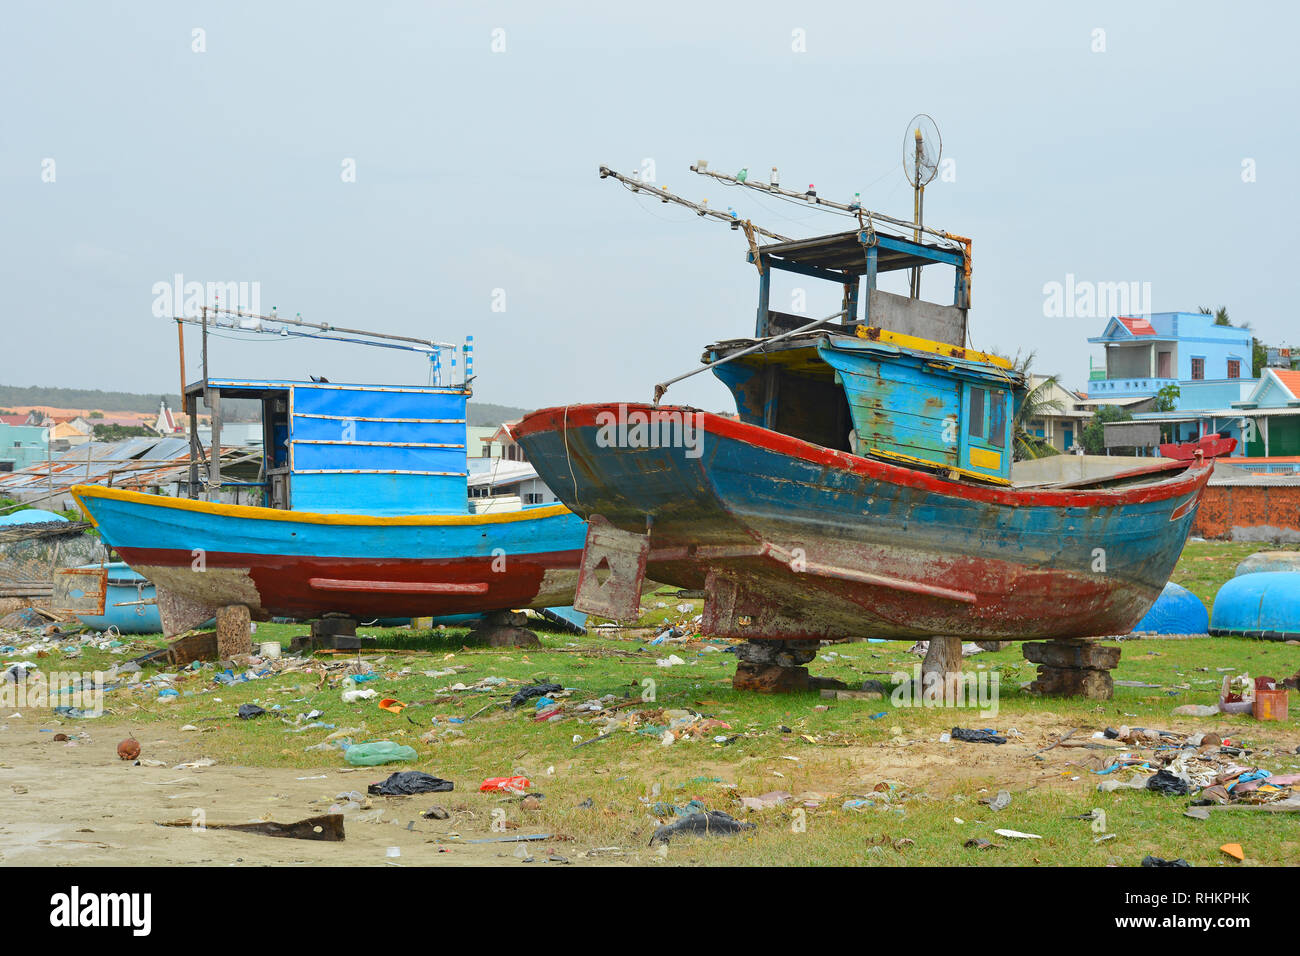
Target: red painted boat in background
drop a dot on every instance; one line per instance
(1211, 446)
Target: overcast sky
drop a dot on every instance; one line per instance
(1151, 143)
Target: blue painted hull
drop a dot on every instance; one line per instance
(297, 564)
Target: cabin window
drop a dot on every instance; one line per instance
(1234, 368)
(1198, 369)
(976, 429)
(533, 498)
(998, 419)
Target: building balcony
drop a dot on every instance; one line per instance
(1128, 386)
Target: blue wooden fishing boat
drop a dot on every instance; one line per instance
(865, 487)
(365, 513)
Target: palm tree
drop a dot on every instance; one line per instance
(1035, 403)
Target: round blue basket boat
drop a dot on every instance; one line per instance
(1265, 604)
(1176, 611)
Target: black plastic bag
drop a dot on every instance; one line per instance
(1157, 861)
(976, 736)
(536, 690)
(406, 782)
(249, 711)
(1168, 784)
(707, 823)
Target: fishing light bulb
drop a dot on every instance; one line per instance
(775, 180)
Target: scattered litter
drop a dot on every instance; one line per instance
(986, 736)
(708, 823)
(407, 782)
(328, 827)
(1016, 834)
(129, 749)
(1169, 784)
(515, 838)
(999, 802)
(379, 752)
(1157, 861)
(505, 785)
(536, 690)
(196, 764)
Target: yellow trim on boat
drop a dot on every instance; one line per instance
(936, 466)
(306, 517)
(918, 344)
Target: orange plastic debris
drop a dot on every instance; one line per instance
(392, 705)
(1233, 850)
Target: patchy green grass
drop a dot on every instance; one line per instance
(821, 751)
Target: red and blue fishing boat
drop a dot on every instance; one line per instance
(365, 513)
(865, 486)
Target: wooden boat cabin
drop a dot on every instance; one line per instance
(890, 377)
(349, 449)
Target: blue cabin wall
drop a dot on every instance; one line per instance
(378, 451)
(936, 410)
(899, 406)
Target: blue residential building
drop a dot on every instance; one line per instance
(21, 445)
(1210, 364)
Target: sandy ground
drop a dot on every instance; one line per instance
(77, 804)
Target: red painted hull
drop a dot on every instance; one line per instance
(297, 586)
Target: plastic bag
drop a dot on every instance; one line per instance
(381, 751)
(406, 782)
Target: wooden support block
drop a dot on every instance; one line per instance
(1073, 682)
(831, 693)
(334, 626)
(193, 647)
(1072, 654)
(770, 679)
(234, 633)
(775, 667)
(500, 619)
(506, 637)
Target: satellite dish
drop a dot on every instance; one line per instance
(922, 147)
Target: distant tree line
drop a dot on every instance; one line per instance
(11, 395)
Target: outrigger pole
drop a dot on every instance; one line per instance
(322, 326)
(812, 199)
(815, 323)
(702, 209)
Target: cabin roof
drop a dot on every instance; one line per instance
(275, 385)
(800, 354)
(846, 252)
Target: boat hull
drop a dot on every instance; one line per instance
(796, 541)
(296, 564)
